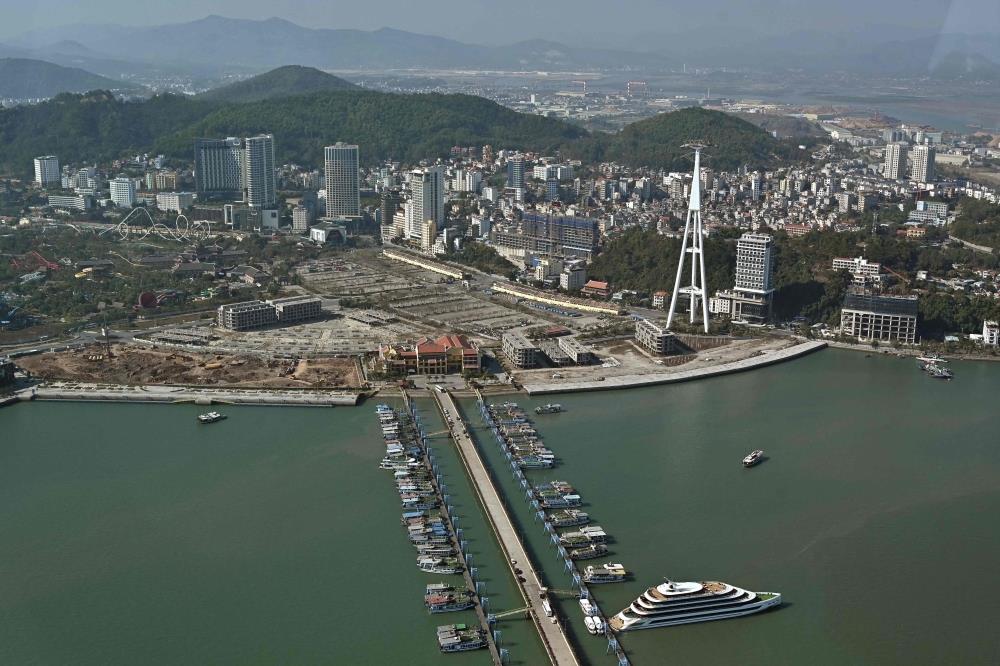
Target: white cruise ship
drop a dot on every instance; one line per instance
(672, 603)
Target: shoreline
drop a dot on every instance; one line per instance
(907, 351)
(654, 379)
(82, 392)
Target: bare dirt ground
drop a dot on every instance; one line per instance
(136, 365)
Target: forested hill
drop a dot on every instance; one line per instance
(278, 83)
(403, 127)
(25, 78)
(97, 127)
(657, 142)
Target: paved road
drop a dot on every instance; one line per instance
(555, 640)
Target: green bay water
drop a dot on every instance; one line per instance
(875, 513)
(132, 534)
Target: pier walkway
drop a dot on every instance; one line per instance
(555, 640)
(467, 573)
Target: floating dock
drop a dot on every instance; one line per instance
(555, 640)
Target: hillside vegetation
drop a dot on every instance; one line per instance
(282, 82)
(978, 222)
(25, 78)
(403, 127)
(657, 142)
(97, 127)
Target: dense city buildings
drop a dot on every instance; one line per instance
(991, 333)
(218, 167)
(47, 171)
(174, 202)
(894, 167)
(446, 354)
(300, 219)
(862, 271)
(750, 298)
(546, 234)
(881, 318)
(341, 177)
(259, 185)
(123, 192)
(426, 202)
(922, 169)
(293, 309)
(755, 263)
(247, 315)
(519, 350)
(655, 338)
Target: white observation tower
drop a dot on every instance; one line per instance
(693, 230)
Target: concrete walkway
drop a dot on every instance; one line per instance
(79, 391)
(650, 379)
(553, 638)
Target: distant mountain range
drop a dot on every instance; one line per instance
(217, 43)
(247, 43)
(284, 81)
(24, 78)
(97, 126)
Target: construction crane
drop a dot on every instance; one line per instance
(630, 88)
(584, 84)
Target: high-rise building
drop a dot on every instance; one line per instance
(895, 161)
(300, 219)
(343, 197)
(750, 298)
(515, 172)
(388, 206)
(259, 186)
(922, 170)
(428, 232)
(122, 192)
(47, 171)
(427, 203)
(754, 263)
(218, 167)
(552, 190)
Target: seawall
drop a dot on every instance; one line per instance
(652, 379)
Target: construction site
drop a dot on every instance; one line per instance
(132, 365)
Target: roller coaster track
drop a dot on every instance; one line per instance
(200, 228)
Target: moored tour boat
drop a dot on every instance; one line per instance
(671, 603)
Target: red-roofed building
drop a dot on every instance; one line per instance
(596, 288)
(444, 355)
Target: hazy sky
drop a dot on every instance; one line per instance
(505, 21)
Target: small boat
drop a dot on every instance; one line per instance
(607, 573)
(753, 458)
(459, 638)
(591, 626)
(568, 518)
(587, 607)
(936, 371)
(932, 358)
(550, 408)
(598, 624)
(588, 552)
(439, 565)
(444, 598)
(211, 417)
